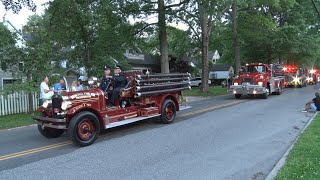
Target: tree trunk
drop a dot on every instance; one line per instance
(236, 45)
(204, 48)
(164, 52)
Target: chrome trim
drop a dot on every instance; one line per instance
(51, 125)
(40, 118)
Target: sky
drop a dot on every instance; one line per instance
(20, 19)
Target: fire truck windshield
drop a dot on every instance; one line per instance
(255, 69)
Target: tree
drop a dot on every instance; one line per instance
(236, 45)
(16, 5)
(202, 16)
(93, 33)
(163, 10)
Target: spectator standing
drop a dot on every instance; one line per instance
(79, 86)
(59, 86)
(74, 86)
(45, 91)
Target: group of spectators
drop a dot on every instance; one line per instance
(46, 92)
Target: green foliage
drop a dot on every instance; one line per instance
(303, 160)
(213, 91)
(17, 120)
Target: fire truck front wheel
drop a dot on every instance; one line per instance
(84, 128)
(168, 111)
(49, 132)
(237, 96)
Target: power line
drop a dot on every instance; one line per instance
(315, 7)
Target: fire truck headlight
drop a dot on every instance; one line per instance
(260, 83)
(234, 92)
(236, 84)
(254, 92)
(65, 105)
(46, 103)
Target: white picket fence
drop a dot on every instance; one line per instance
(17, 103)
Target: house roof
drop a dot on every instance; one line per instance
(148, 60)
(220, 67)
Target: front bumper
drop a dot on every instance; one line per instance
(293, 83)
(247, 89)
(50, 122)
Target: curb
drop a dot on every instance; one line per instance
(283, 159)
(2, 130)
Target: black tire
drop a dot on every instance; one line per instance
(237, 96)
(168, 111)
(266, 94)
(280, 89)
(49, 132)
(84, 124)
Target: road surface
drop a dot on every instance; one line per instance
(219, 138)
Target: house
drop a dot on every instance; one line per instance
(140, 60)
(220, 71)
(213, 56)
(7, 74)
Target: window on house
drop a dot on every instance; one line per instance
(8, 81)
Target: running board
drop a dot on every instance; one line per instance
(132, 120)
(128, 121)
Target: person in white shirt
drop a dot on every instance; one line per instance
(45, 91)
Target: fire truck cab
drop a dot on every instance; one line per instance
(83, 114)
(257, 79)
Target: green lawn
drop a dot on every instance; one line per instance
(16, 120)
(213, 91)
(304, 159)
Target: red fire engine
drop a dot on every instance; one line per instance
(294, 76)
(312, 76)
(84, 113)
(257, 79)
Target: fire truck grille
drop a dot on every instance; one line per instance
(247, 80)
(288, 78)
(56, 105)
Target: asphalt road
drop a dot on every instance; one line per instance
(236, 139)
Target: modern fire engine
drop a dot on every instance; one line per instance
(84, 113)
(312, 76)
(257, 79)
(294, 76)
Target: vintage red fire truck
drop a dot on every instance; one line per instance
(295, 76)
(257, 79)
(84, 113)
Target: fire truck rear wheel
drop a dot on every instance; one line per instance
(168, 111)
(49, 132)
(84, 128)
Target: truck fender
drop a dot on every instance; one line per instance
(168, 96)
(75, 110)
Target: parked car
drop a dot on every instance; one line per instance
(196, 82)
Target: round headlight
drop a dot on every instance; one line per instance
(65, 105)
(46, 103)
